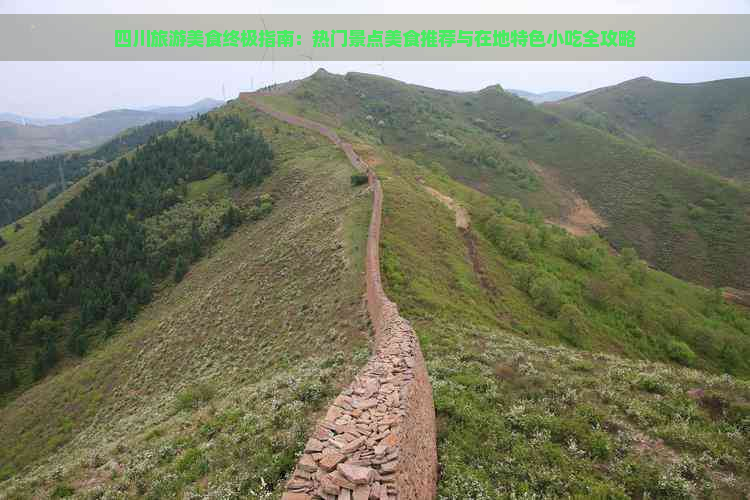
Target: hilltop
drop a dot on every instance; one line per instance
(678, 218)
(705, 124)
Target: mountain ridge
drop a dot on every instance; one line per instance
(33, 141)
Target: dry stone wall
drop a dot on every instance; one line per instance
(377, 439)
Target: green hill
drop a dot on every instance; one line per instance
(680, 219)
(245, 350)
(559, 368)
(27, 185)
(706, 124)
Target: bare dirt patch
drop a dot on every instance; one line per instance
(463, 223)
(462, 216)
(576, 215)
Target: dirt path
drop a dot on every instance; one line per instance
(577, 216)
(463, 223)
(378, 438)
(462, 216)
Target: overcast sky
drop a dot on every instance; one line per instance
(46, 89)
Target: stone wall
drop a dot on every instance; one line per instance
(377, 439)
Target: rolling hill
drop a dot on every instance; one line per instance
(558, 367)
(679, 218)
(705, 124)
(19, 141)
(27, 185)
(542, 97)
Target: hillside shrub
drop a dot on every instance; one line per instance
(639, 272)
(546, 295)
(523, 277)
(516, 248)
(629, 256)
(195, 396)
(574, 324)
(602, 293)
(680, 352)
(676, 321)
(581, 251)
(180, 269)
(359, 179)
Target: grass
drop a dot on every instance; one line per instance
(212, 389)
(213, 187)
(686, 222)
(703, 123)
(530, 406)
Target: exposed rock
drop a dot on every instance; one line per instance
(357, 474)
(331, 460)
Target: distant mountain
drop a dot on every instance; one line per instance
(552, 96)
(25, 120)
(34, 141)
(199, 107)
(706, 124)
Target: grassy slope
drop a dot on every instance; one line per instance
(213, 387)
(704, 123)
(520, 411)
(520, 414)
(682, 220)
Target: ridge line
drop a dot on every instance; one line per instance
(378, 438)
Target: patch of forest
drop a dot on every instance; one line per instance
(26, 185)
(130, 228)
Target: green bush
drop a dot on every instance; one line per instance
(359, 179)
(581, 251)
(545, 294)
(680, 352)
(516, 248)
(62, 491)
(629, 256)
(639, 272)
(677, 320)
(574, 324)
(180, 269)
(195, 396)
(523, 277)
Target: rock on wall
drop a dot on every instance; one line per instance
(377, 439)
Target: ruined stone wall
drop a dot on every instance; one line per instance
(377, 439)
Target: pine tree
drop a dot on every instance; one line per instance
(180, 269)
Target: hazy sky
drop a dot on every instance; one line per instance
(45, 89)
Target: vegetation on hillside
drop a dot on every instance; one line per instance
(27, 185)
(705, 123)
(546, 366)
(25, 140)
(107, 247)
(684, 221)
(211, 390)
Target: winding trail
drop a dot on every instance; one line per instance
(378, 438)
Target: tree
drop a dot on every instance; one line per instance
(180, 269)
(77, 343)
(2, 242)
